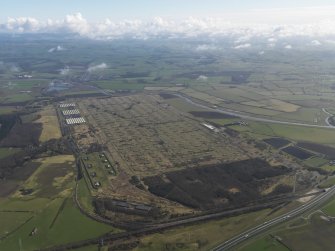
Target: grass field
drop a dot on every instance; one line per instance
(7, 110)
(55, 175)
(330, 207)
(328, 167)
(16, 98)
(5, 152)
(182, 105)
(50, 124)
(50, 210)
(84, 194)
(12, 220)
(58, 222)
(91, 248)
(265, 244)
(23, 204)
(315, 162)
(262, 130)
(109, 85)
(328, 183)
(84, 92)
(102, 170)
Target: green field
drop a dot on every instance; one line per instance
(328, 182)
(99, 165)
(84, 194)
(5, 152)
(119, 86)
(264, 244)
(16, 98)
(57, 223)
(262, 130)
(50, 210)
(10, 221)
(330, 207)
(54, 176)
(315, 162)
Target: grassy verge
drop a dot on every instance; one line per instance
(266, 243)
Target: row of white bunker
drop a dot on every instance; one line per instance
(66, 105)
(75, 121)
(71, 114)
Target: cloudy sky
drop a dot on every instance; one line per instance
(94, 10)
(145, 18)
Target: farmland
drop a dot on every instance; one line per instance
(145, 154)
(48, 208)
(50, 125)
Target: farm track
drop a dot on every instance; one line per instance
(328, 118)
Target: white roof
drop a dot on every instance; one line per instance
(71, 112)
(74, 121)
(64, 105)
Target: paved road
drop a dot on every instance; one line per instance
(327, 119)
(318, 200)
(249, 117)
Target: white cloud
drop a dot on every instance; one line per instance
(57, 48)
(60, 48)
(242, 46)
(242, 39)
(64, 71)
(289, 47)
(202, 78)
(76, 23)
(14, 68)
(22, 24)
(97, 67)
(206, 47)
(315, 43)
(273, 24)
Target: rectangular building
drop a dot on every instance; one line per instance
(63, 105)
(75, 121)
(71, 112)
